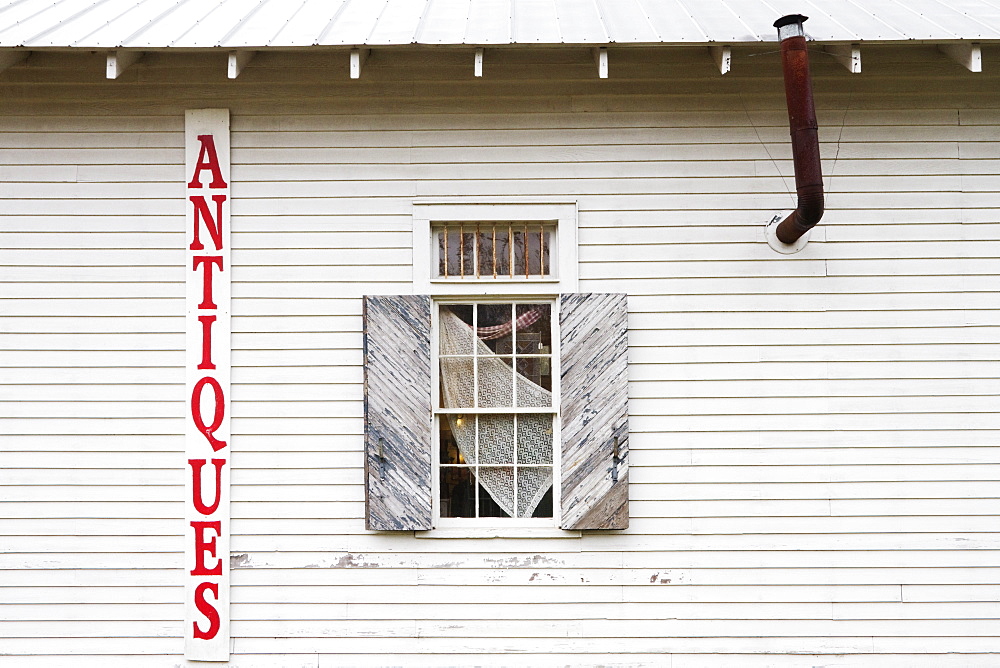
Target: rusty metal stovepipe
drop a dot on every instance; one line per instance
(803, 128)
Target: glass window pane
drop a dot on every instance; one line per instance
(496, 382)
(544, 507)
(546, 268)
(494, 327)
(458, 439)
(503, 250)
(496, 491)
(454, 251)
(533, 250)
(493, 249)
(486, 251)
(535, 382)
(457, 492)
(467, 262)
(442, 253)
(534, 439)
(529, 393)
(534, 328)
(533, 483)
(448, 447)
(455, 330)
(517, 241)
(496, 439)
(457, 382)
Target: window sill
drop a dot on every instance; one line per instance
(498, 532)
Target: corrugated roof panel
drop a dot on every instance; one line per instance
(401, 20)
(536, 22)
(722, 25)
(819, 25)
(167, 27)
(626, 21)
(355, 22)
(445, 22)
(308, 23)
(911, 23)
(31, 23)
(146, 24)
(672, 21)
(119, 28)
(94, 17)
(580, 21)
(489, 22)
(962, 22)
(15, 11)
(854, 20)
(218, 24)
(261, 26)
(985, 13)
(13, 14)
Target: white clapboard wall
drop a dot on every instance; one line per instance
(815, 439)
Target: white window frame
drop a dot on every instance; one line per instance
(562, 214)
(563, 277)
(494, 522)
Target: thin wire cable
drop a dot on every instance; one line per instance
(840, 136)
(773, 161)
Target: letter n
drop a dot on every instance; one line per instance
(213, 225)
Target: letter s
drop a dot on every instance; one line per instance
(207, 609)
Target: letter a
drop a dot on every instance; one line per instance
(207, 159)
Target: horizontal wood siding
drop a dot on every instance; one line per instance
(814, 438)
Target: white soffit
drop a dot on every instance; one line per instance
(200, 24)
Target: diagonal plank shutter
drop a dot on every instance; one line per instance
(397, 340)
(594, 409)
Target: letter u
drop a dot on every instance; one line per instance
(196, 465)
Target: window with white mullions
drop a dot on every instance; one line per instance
(471, 417)
(511, 250)
(495, 413)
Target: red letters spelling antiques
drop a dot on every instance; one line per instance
(208, 370)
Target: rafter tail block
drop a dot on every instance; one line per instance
(848, 55)
(358, 58)
(121, 60)
(238, 60)
(966, 54)
(601, 59)
(723, 57)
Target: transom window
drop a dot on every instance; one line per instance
(493, 250)
(515, 246)
(495, 409)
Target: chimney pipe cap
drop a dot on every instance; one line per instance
(790, 19)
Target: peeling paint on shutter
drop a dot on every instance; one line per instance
(594, 409)
(397, 412)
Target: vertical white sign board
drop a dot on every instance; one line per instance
(206, 407)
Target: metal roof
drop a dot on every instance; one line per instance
(156, 24)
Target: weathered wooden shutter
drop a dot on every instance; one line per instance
(594, 410)
(397, 341)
